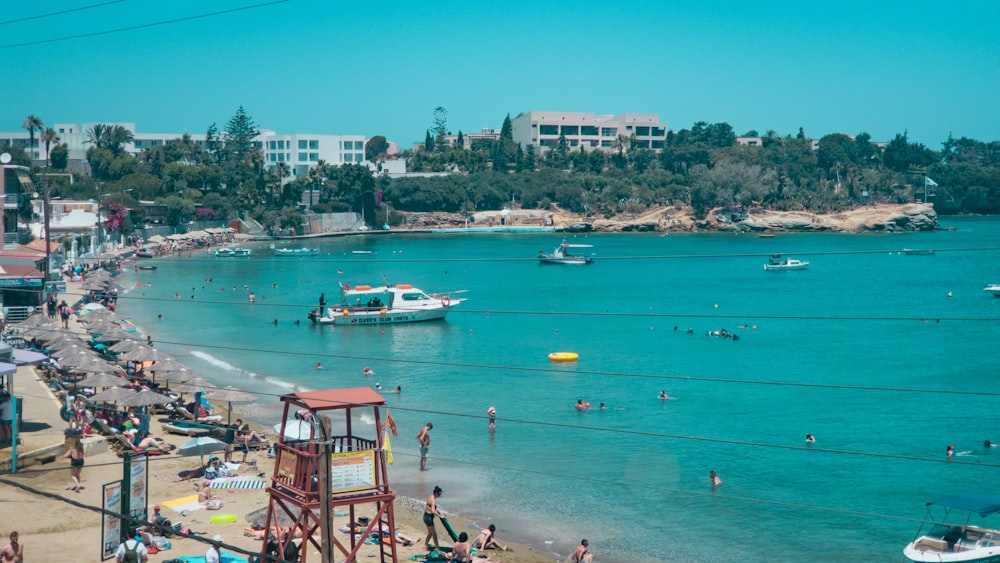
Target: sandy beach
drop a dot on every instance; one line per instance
(58, 524)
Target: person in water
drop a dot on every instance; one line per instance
(810, 438)
(663, 395)
(715, 478)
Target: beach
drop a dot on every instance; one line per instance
(56, 523)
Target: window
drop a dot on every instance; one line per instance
(589, 130)
(642, 131)
(656, 144)
(606, 143)
(570, 130)
(359, 146)
(592, 143)
(549, 129)
(303, 144)
(272, 157)
(609, 132)
(658, 131)
(281, 157)
(313, 145)
(270, 145)
(313, 157)
(547, 143)
(302, 157)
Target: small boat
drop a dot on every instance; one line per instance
(144, 253)
(776, 262)
(765, 235)
(918, 251)
(147, 267)
(561, 255)
(367, 305)
(296, 251)
(232, 251)
(993, 288)
(955, 534)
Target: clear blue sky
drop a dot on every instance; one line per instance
(376, 68)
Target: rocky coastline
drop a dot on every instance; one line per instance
(881, 218)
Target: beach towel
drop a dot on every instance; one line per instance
(238, 483)
(184, 504)
(224, 558)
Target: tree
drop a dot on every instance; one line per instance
(440, 127)
(507, 130)
(376, 147)
(460, 141)
(428, 142)
(48, 137)
(60, 156)
(32, 123)
(112, 138)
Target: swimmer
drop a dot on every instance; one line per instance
(275, 322)
(810, 439)
(367, 371)
(602, 407)
(663, 395)
(951, 450)
(378, 386)
(319, 365)
(715, 478)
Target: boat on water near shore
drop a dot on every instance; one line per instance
(776, 262)
(918, 251)
(232, 251)
(993, 288)
(367, 305)
(951, 537)
(561, 255)
(295, 251)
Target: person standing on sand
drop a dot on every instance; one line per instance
(582, 553)
(75, 456)
(424, 439)
(13, 552)
(430, 511)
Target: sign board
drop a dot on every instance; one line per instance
(286, 466)
(55, 287)
(111, 534)
(352, 471)
(138, 483)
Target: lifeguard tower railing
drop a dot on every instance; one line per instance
(357, 474)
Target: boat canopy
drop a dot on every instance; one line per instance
(981, 504)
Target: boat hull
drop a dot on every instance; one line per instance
(566, 261)
(926, 549)
(345, 317)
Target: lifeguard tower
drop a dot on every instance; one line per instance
(316, 472)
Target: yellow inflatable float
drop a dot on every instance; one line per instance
(564, 357)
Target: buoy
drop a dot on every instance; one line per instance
(563, 357)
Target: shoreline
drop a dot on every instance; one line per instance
(48, 541)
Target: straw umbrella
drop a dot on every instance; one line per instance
(145, 398)
(35, 321)
(127, 345)
(143, 354)
(112, 395)
(96, 365)
(230, 395)
(167, 364)
(102, 380)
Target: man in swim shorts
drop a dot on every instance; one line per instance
(13, 552)
(424, 439)
(582, 553)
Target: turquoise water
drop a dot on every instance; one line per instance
(837, 351)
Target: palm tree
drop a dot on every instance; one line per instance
(32, 123)
(48, 137)
(109, 137)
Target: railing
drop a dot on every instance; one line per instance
(14, 315)
(12, 199)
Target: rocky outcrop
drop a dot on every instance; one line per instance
(882, 218)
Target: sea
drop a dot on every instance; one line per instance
(885, 357)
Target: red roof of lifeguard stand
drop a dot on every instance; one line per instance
(335, 398)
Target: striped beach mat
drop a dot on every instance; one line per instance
(238, 483)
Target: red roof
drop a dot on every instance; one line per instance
(19, 271)
(335, 398)
(39, 245)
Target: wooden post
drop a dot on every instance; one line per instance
(325, 518)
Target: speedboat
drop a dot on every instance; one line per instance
(776, 262)
(918, 251)
(367, 305)
(951, 536)
(296, 251)
(232, 251)
(993, 288)
(561, 255)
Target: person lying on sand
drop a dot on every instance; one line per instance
(487, 540)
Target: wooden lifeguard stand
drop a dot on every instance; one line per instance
(354, 467)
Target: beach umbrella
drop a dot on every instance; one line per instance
(66, 346)
(167, 364)
(94, 285)
(113, 395)
(127, 345)
(102, 380)
(35, 321)
(200, 446)
(96, 365)
(143, 354)
(146, 398)
(230, 395)
(179, 376)
(76, 358)
(193, 386)
(295, 429)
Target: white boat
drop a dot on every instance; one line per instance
(918, 251)
(956, 534)
(993, 288)
(367, 305)
(232, 251)
(776, 262)
(561, 255)
(296, 251)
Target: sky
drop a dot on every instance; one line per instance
(381, 68)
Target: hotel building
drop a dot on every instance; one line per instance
(541, 129)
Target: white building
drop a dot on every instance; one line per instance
(299, 151)
(542, 129)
